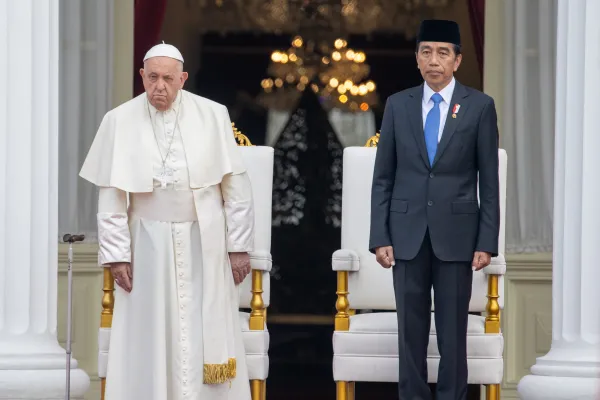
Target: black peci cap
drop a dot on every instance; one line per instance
(437, 30)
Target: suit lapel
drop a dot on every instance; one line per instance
(415, 116)
(458, 97)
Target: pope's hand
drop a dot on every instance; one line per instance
(121, 272)
(240, 266)
(385, 256)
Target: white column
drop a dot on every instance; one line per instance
(571, 369)
(32, 363)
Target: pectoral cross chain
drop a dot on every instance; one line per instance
(165, 176)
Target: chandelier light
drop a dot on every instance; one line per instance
(337, 74)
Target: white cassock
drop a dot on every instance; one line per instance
(176, 336)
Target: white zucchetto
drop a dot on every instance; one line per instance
(164, 50)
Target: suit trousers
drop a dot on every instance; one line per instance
(452, 285)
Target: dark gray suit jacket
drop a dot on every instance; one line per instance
(410, 196)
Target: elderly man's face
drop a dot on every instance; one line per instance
(437, 62)
(163, 77)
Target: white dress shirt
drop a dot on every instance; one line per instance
(446, 94)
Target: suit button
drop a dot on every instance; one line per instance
(430, 203)
(431, 175)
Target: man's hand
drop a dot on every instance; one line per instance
(385, 256)
(121, 272)
(481, 259)
(240, 266)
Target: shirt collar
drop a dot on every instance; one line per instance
(446, 92)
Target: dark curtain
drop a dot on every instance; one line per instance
(307, 197)
(477, 17)
(148, 20)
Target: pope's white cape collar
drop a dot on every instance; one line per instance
(121, 153)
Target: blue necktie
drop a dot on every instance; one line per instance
(432, 127)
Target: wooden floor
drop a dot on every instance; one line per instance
(300, 367)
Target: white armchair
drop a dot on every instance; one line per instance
(365, 344)
(254, 291)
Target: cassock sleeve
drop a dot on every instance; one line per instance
(114, 239)
(239, 212)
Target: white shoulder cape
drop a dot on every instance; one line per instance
(121, 153)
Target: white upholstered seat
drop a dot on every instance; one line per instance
(257, 349)
(254, 291)
(372, 342)
(365, 344)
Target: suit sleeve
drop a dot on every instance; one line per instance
(489, 186)
(384, 175)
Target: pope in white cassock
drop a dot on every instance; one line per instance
(175, 225)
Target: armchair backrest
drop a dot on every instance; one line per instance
(259, 164)
(371, 287)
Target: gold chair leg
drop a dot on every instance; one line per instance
(263, 389)
(342, 390)
(102, 387)
(492, 392)
(256, 389)
(351, 390)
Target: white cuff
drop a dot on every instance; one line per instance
(114, 239)
(240, 226)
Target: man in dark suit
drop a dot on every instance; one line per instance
(426, 222)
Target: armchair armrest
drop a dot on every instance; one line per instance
(261, 260)
(493, 271)
(108, 305)
(497, 266)
(345, 260)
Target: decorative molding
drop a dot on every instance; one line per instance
(85, 258)
(240, 138)
(87, 298)
(373, 140)
(527, 317)
(529, 261)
